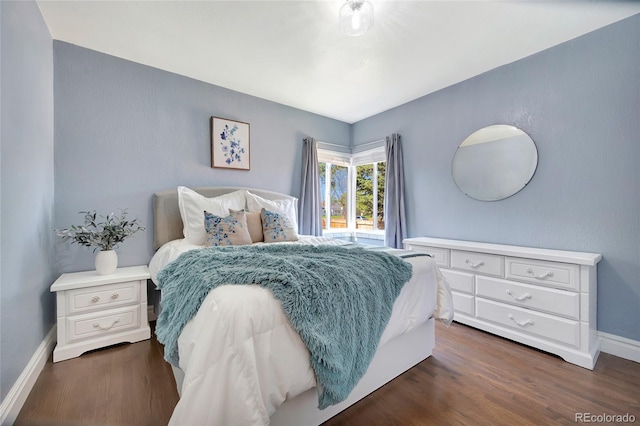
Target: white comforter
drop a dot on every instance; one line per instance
(241, 357)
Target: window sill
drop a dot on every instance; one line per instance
(351, 233)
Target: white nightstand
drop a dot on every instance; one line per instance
(95, 311)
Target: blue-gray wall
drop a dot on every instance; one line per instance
(580, 103)
(124, 131)
(27, 310)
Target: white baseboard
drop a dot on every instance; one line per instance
(619, 346)
(15, 399)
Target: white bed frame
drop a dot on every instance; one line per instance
(390, 360)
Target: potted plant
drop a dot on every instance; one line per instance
(104, 235)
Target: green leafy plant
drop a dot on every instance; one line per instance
(103, 235)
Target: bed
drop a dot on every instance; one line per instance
(256, 365)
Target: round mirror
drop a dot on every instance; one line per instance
(494, 162)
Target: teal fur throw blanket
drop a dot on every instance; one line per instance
(338, 299)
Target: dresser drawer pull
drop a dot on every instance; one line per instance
(519, 298)
(101, 327)
(521, 324)
(473, 265)
(114, 296)
(540, 277)
(95, 299)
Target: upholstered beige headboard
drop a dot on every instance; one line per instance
(167, 224)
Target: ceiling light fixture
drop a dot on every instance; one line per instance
(356, 17)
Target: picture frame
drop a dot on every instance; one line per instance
(230, 144)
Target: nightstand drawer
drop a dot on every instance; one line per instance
(90, 325)
(103, 297)
(554, 274)
(530, 322)
(550, 300)
(482, 263)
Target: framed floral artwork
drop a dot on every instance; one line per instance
(230, 144)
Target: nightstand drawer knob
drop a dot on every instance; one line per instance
(95, 299)
(114, 296)
(103, 327)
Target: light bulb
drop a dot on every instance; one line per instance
(356, 17)
(355, 20)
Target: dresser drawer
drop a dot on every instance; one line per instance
(487, 264)
(459, 281)
(549, 300)
(102, 297)
(86, 326)
(554, 274)
(462, 303)
(530, 322)
(439, 255)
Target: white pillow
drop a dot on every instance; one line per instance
(192, 206)
(287, 207)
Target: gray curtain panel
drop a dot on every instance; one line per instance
(395, 223)
(310, 212)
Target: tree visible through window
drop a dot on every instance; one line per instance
(322, 168)
(370, 196)
(337, 208)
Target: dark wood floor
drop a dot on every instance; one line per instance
(473, 378)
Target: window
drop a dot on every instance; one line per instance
(334, 212)
(370, 196)
(352, 192)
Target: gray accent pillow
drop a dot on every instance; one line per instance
(254, 223)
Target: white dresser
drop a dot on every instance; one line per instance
(542, 298)
(95, 311)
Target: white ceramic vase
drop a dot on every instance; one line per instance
(106, 262)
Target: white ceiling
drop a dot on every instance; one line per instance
(292, 52)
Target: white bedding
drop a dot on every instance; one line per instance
(173, 249)
(241, 357)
